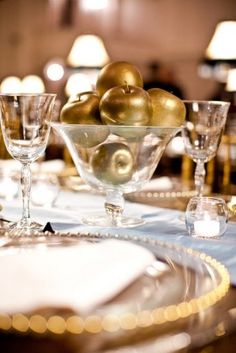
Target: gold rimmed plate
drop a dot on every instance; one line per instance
(165, 188)
(181, 292)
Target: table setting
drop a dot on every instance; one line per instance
(93, 266)
(153, 235)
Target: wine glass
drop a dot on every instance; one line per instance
(116, 160)
(205, 121)
(25, 128)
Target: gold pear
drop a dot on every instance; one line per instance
(167, 109)
(83, 109)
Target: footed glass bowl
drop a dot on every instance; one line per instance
(116, 160)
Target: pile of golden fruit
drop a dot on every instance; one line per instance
(120, 99)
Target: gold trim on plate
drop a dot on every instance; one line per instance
(127, 321)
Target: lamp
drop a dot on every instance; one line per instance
(11, 84)
(220, 55)
(54, 69)
(222, 45)
(32, 84)
(92, 5)
(87, 56)
(88, 51)
(231, 81)
(29, 84)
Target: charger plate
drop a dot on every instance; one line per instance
(178, 194)
(159, 302)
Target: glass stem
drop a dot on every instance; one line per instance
(114, 206)
(199, 177)
(25, 188)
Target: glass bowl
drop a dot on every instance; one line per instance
(115, 160)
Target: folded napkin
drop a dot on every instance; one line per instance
(79, 277)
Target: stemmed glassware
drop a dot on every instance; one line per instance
(116, 160)
(205, 121)
(25, 123)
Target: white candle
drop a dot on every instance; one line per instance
(207, 228)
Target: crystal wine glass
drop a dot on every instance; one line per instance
(205, 121)
(25, 128)
(116, 160)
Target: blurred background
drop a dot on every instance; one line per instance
(47, 45)
(173, 32)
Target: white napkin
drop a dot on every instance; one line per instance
(159, 184)
(80, 277)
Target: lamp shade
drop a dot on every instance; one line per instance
(29, 84)
(231, 81)
(11, 84)
(223, 45)
(32, 84)
(92, 5)
(88, 51)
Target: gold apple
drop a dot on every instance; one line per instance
(87, 136)
(116, 74)
(83, 109)
(126, 105)
(167, 109)
(113, 163)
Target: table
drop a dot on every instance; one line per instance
(226, 341)
(78, 203)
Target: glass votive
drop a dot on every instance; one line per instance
(44, 190)
(206, 217)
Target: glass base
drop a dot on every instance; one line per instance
(15, 235)
(22, 229)
(105, 221)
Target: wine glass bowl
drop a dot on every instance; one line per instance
(116, 160)
(205, 122)
(25, 129)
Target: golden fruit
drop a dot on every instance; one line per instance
(86, 136)
(126, 105)
(116, 74)
(83, 109)
(167, 109)
(113, 163)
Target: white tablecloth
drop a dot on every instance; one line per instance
(163, 224)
